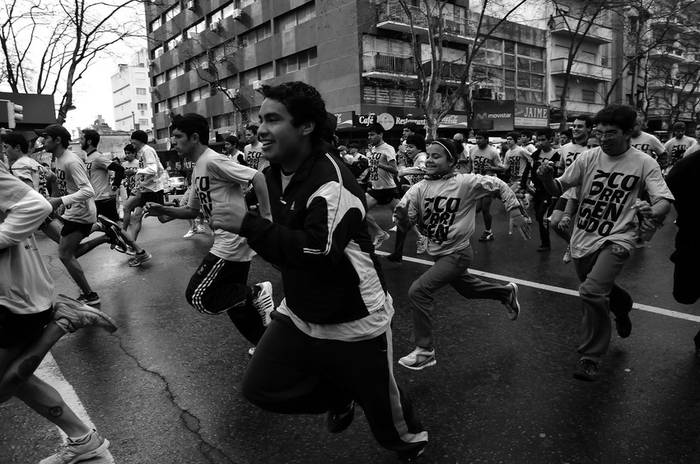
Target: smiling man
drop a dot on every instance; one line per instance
(329, 342)
(610, 179)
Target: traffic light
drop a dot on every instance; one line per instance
(11, 113)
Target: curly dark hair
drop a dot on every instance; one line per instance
(304, 103)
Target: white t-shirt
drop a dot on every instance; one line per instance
(516, 160)
(74, 188)
(648, 144)
(609, 189)
(484, 160)
(218, 181)
(254, 156)
(381, 178)
(150, 169)
(28, 171)
(676, 148)
(97, 164)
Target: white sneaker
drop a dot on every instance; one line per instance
(421, 244)
(200, 229)
(379, 239)
(418, 359)
(512, 304)
(251, 351)
(567, 256)
(95, 446)
(190, 233)
(263, 301)
(71, 315)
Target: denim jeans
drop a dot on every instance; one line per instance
(597, 272)
(451, 269)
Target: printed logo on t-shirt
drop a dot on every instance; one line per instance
(440, 214)
(570, 157)
(61, 184)
(604, 203)
(374, 165)
(481, 165)
(677, 151)
(202, 185)
(253, 159)
(645, 147)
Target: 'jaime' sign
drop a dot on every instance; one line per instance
(527, 115)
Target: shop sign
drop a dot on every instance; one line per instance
(531, 115)
(494, 115)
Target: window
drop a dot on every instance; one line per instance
(155, 24)
(257, 74)
(161, 106)
(178, 70)
(223, 120)
(198, 94)
(227, 11)
(196, 28)
(226, 50)
(142, 106)
(159, 79)
(172, 43)
(177, 101)
(218, 15)
(292, 19)
(140, 91)
(385, 96)
(297, 61)
(255, 35)
(158, 51)
(587, 96)
(143, 122)
(171, 13)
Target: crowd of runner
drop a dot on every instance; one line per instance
(303, 203)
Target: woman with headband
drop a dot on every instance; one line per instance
(443, 207)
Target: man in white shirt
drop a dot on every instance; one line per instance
(253, 152)
(649, 144)
(611, 179)
(231, 148)
(486, 161)
(382, 187)
(677, 145)
(525, 141)
(31, 324)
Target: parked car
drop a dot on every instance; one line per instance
(176, 185)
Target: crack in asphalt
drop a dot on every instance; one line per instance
(191, 422)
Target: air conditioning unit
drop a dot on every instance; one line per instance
(257, 85)
(500, 95)
(190, 5)
(237, 13)
(235, 91)
(204, 65)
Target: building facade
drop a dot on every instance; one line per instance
(209, 57)
(131, 96)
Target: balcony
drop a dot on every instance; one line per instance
(450, 72)
(668, 24)
(580, 107)
(692, 58)
(671, 54)
(567, 25)
(392, 16)
(666, 84)
(391, 67)
(586, 70)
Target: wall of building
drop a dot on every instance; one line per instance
(131, 98)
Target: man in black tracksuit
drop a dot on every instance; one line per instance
(329, 342)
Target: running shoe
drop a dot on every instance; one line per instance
(487, 236)
(251, 351)
(379, 239)
(421, 244)
(263, 302)
(512, 304)
(140, 258)
(189, 233)
(71, 315)
(418, 359)
(621, 310)
(92, 447)
(200, 229)
(412, 454)
(567, 255)
(337, 421)
(586, 369)
(393, 229)
(91, 298)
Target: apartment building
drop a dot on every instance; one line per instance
(130, 95)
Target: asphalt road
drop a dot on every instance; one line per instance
(165, 387)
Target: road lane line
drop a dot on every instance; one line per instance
(554, 288)
(50, 373)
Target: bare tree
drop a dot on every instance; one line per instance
(48, 45)
(445, 75)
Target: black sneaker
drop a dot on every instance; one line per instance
(91, 298)
(623, 324)
(337, 421)
(587, 370)
(413, 454)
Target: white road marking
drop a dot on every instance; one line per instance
(50, 373)
(554, 288)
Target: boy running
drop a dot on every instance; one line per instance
(485, 161)
(611, 179)
(220, 283)
(382, 188)
(443, 207)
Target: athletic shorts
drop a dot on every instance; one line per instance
(108, 208)
(152, 197)
(70, 226)
(383, 196)
(18, 330)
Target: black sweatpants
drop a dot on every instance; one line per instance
(293, 373)
(544, 205)
(219, 285)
